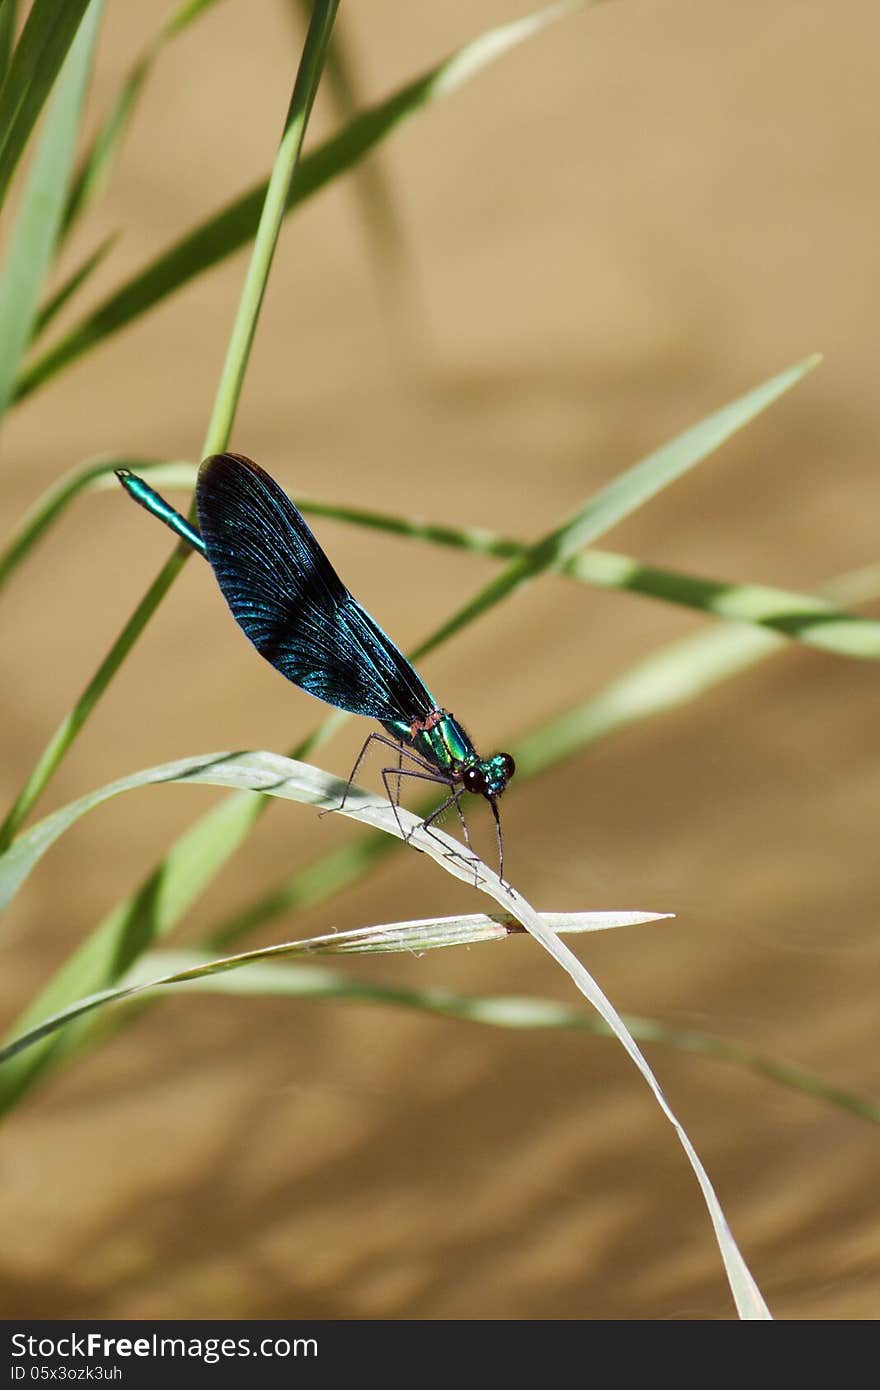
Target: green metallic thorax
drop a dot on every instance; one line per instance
(445, 746)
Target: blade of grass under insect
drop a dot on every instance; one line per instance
(36, 61)
(133, 927)
(97, 164)
(277, 776)
(266, 772)
(38, 217)
(223, 414)
(427, 934)
(234, 226)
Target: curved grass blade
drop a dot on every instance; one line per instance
(269, 773)
(36, 61)
(297, 781)
(428, 934)
(38, 218)
(235, 225)
(130, 930)
(746, 1295)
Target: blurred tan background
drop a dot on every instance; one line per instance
(612, 232)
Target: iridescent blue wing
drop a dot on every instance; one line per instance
(291, 603)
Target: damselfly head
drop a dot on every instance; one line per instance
(489, 776)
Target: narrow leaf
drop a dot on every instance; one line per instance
(8, 20)
(47, 35)
(39, 215)
(71, 285)
(263, 976)
(409, 937)
(265, 772)
(622, 496)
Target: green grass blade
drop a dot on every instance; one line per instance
(38, 219)
(808, 618)
(55, 500)
(272, 215)
(263, 977)
(672, 676)
(95, 169)
(266, 772)
(73, 721)
(130, 929)
(815, 621)
(235, 225)
(8, 20)
(36, 61)
(622, 496)
(428, 934)
(71, 285)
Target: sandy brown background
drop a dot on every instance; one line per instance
(612, 232)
